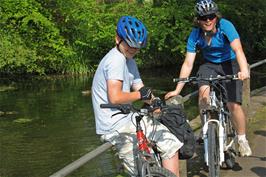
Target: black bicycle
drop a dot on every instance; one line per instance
(149, 163)
(218, 132)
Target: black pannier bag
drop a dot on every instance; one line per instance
(175, 119)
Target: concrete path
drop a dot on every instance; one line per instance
(254, 166)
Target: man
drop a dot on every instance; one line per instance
(117, 81)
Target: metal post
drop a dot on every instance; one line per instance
(246, 95)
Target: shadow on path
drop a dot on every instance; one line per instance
(260, 171)
(260, 132)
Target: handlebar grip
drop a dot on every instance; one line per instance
(175, 79)
(180, 79)
(231, 77)
(234, 77)
(110, 106)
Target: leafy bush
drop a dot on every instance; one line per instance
(36, 45)
(57, 36)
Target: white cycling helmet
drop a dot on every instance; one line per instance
(206, 7)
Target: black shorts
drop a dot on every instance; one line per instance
(234, 88)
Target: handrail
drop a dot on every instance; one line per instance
(257, 64)
(90, 155)
(81, 161)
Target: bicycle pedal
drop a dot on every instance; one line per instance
(230, 163)
(230, 156)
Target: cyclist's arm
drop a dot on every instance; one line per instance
(136, 87)
(186, 69)
(241, 59)
(116, 94)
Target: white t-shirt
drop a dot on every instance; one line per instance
(114, 66)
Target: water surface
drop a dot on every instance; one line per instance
(45, 124)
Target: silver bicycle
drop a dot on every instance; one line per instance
(218, 133)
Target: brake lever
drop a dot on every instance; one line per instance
(123, 110)
(117, 114)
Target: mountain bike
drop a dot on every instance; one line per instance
(218, 133)
(149, 162)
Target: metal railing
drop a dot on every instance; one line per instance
(90, 155)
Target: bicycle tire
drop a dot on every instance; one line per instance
(156, 171)
(213, 150)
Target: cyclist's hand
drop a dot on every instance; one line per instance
(242, 75)
(145, 93)
(170, 94)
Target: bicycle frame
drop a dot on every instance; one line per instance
(147, 150)
(216, 105)
(148, 158)
(220, 120)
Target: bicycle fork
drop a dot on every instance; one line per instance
(220, 137)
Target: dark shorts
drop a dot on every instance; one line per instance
(234, 88)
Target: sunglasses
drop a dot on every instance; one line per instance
(206, 17)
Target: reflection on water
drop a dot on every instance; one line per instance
(46, 124)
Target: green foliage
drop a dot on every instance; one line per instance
(57, 36)
(31, 42)
(249, 18)
(15, 56)
(168, 25)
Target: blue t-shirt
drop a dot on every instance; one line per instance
(219, 49)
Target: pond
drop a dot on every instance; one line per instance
(45, 124)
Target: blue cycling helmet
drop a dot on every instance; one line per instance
(132, 31)
(206, 7)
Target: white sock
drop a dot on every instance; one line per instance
(241, 137)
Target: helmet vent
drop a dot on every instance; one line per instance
(133, 31)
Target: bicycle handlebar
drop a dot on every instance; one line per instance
(124, 108)
(209, 79)
(127, 108)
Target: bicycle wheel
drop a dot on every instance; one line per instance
(152, 168)
(213, 150)
(156, 171)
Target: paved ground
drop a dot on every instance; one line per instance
(254, 166)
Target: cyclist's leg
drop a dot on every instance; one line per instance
(167, 143)
(206, 70)
(234, 98)
(238, 117)
(172, 164)
(239, 121)
(125, 144)
(204, 99)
